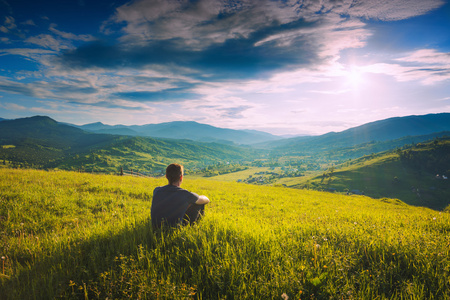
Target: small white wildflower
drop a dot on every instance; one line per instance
(284, 296)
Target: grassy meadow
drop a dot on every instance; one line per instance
(83, 236)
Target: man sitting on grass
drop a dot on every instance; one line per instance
(172, 205)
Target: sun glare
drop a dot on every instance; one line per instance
(354, 77)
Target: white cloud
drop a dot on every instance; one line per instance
(427, 57)
(71, 36)
(9, 27)
(13, 106)
(29, 22)
(390, 10)
(220, 110)
(330, 92)
(48, 41)
(427, 66)
(42, 56)
(25, 52)
(10, 23)
(198, 23)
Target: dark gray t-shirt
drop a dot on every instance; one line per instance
(170, 203)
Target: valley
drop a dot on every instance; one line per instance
(365, 160)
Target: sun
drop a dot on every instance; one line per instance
(354, 77)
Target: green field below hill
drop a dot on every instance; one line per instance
(234, 176)
(385, 176)
(68, 235)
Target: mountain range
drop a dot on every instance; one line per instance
(45, 143)
(53, 140)
(378, 131)
(185, 130)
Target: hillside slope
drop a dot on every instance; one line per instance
(408, 175)
(379, 134)
(46, 132)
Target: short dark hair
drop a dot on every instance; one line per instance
(174, 173)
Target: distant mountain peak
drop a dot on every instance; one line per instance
(37, 120)
(38, 117)
(95, 124)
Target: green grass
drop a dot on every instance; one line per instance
(82, 236)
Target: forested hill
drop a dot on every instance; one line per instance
(46, 132)
(44, 143)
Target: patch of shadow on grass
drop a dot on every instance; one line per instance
(66, 271)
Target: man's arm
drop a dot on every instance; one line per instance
(202, 200)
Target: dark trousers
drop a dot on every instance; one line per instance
(194, 213)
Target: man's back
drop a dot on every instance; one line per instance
(170, 203)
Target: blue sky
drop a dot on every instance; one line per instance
(285, 67)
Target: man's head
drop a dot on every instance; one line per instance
(174, 173)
